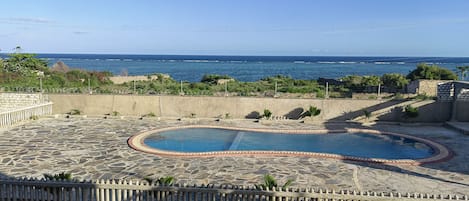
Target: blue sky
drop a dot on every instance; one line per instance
(238, 27)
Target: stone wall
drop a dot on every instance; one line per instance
(425, 87)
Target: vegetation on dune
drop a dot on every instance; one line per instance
(213, 79)
(25, 70)
(394, 80)
(21, 71)
(431, 72)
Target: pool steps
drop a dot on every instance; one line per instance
(234, 145)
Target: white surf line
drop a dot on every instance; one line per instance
(234, 145)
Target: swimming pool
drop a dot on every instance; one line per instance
(364, 145)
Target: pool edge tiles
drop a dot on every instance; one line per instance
(441, 153)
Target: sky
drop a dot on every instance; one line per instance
(438, 28)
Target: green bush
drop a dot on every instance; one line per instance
(151, 114)
(166, 181)
(61, 176)
(394, 80)
(411, 112)
(431, 72)
(367, 114)
(75, 112)
(212, 79)
(270, 182)
(313, 111)
(267, 113)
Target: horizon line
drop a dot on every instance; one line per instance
(232, 55)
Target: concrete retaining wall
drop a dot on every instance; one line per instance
(462, 110)
(239, 107)
(181, 106)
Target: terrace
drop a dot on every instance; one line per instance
(96, 148)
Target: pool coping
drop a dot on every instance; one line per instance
(442, 153)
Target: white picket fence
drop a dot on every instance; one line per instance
(121, 190)
(12, 116)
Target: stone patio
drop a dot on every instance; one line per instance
(96, 148)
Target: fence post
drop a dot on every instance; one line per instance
(327, 90)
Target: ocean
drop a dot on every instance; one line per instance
(249, 68)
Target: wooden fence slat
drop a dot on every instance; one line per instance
(124, 192)
(121, 190)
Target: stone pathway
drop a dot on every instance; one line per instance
(97, 149)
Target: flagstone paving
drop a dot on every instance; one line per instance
(93, 148)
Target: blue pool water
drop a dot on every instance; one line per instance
(348, 144)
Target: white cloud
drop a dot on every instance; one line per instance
(80, 32)
(25, 20)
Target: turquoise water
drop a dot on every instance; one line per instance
(356, 144)
(248, 68)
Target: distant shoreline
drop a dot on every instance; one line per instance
(248, 68)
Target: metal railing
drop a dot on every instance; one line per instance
(10, 117)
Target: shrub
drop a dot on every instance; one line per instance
(411, 112)
(115, 113)
(270, 183)
(34, 117)
(61, 176)
(398, 96)
(313, 111)
(423, 97)
(267, 113)
(75, 112)
(212, 79)
(162, 180)
(367, 114)
(394, 80)
(151, 114)
(431, 72)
